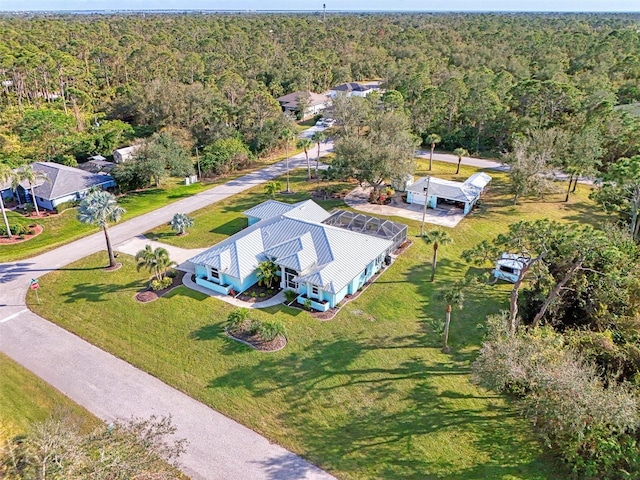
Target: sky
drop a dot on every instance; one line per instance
(313, 5)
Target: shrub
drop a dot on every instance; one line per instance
(65, 206)
(307, 303)
(16, 229)
(254, 326)
(290, 295)
(160, 284)
(237, 318)
(269, 330)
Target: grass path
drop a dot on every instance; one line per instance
(366, 395)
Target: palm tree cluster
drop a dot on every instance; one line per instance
(156, 261)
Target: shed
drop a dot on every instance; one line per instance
(463, 194)
(123, 154)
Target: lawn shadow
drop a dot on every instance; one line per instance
(231, 227)
(98, 292)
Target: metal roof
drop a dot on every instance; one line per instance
(307, 209)
(466, 191)
(327, 256)
(290, 100)
(512, 260)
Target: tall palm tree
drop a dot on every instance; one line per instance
(99, 208)
(288, 135)
(318, 137)
(451, 296)
(460, 152)
(437, 238)
(433, 139)
(180, 222)
(157, 261)
(33, 177)
(271, 188)
(305, 144)
(267, 272)
(5, 175)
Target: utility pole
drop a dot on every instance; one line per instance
(426, 200)
(324, 13)
(198, 159)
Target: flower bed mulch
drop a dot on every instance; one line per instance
(37, 230)
(149, 295)
(402, 248)
(255, 341)
(258, 290)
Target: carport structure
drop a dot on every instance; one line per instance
(378, 227)
(464, 194)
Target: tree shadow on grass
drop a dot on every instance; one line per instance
(99, 292)
(362, 433)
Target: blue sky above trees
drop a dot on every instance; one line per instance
(358, 5)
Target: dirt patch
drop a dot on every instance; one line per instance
(255, 341)
(149, 295)
(37, 230)
(117, 266)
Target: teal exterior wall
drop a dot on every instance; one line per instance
(238, 285)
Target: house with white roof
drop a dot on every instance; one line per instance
(61, 184)
(464, 194)
(321, 257)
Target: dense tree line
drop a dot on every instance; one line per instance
(478, 81)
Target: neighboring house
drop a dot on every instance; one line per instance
(354, 89)
(509, 266)
(65, 184)
(463, 194)
(123, 154)
(323, 257)
(316, 103)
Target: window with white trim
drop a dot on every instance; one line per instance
(215, 274)
(315, 290)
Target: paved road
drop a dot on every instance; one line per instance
(219, 448)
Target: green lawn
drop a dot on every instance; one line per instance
(366, 395)
(25, 399)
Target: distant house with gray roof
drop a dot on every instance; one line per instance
(321, 262)
(315, 103)
(463, 194)
(63, 184)
(123, 154)
(354, 89)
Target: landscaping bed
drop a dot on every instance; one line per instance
(255, 341)
(258, 293)
(36, 229)
(149, 295)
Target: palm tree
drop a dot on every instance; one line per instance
(271, 188)
(99, 208)
(460, 152)
(180, 222)
(452, 296)
(305, 144)
(287, 135)
(267, 272)
(156, 261)
(318, 137)
(27, 173)
(5, 175)
(437, 237)
(433, 139)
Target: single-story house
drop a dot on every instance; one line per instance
(509, 266)
(63, 184)
(464, 194)
(123, 154)
(316, 103)
(354, 89)
(321, 262)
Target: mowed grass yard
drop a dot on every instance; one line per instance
(25, 399)
(366, 395)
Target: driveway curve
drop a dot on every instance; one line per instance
(219, 448)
